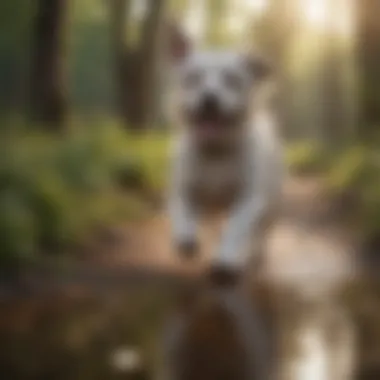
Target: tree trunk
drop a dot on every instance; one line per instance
(369, 62)
(275, 33)
(150, 60)
(49, 76)
(333, 109)
(119, 16)
(136, 73)
(338, 79)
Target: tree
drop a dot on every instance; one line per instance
(120, 16)
(149, 53)
(369, 63)
(92, 69)
(274, 34)
(14, 54)
(49, 76)
(315, 65)
(136, 64)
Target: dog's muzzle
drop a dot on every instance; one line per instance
(210, 106)
(209, 113)
(210, 120)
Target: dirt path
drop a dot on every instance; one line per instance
(304, 245)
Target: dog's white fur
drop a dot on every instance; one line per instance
(252, 168)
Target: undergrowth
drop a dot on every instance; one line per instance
(54, 190)
(352, 170)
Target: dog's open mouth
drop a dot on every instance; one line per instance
(210, 126)
(214, 126)
(210, 122)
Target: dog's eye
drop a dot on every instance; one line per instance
(233, 81)
(192, 79)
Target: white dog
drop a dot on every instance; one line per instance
(226, 155)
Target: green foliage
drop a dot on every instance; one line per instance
(306, 157)
(353, 171)
(151, 151)
(351, 168)
(357, 170)
(55, 190)
(17, 228)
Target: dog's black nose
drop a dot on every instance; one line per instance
(210, 103)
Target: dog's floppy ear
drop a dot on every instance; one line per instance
(179, 44)
(260, 67)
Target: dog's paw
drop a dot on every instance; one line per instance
(188, 249)
(224, 276)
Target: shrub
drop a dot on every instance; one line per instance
(306, 157)
(352, 175)
(17, 229)
(356, 170)
(55, 190)
(349, 169)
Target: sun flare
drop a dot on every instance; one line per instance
(258, 6)
(315, 12)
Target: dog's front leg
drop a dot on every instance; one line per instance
(184, 225)
(183, 216)
(243, 222)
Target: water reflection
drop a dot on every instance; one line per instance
(87, 334)
(325, 337)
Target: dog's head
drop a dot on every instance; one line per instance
(214, 89)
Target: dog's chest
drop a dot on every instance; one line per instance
(216, 183)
